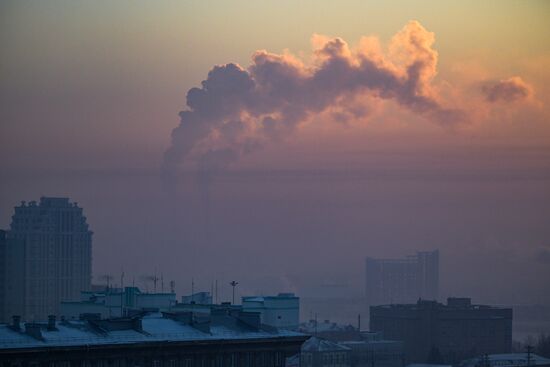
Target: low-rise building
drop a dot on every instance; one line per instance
(223, 338)
(321, 352)
(452, 332)
(373, 350)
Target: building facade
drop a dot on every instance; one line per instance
(47, 258)
(224, 338)
(455, 331)
(402, 280)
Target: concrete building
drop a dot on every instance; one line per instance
(321, 352)
(47, 258)
(224, 338)
(114, 302)
(281, 311)
(455, 331)
(402, 280)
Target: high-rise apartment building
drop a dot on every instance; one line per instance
(46, 258)
(403, 280)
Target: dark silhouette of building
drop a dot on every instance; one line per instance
(223, 338)
(47, 258)
(455, 331)
(3, 265)
(402, 280)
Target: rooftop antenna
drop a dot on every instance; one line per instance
(315, 324)
(107, 278)
(155, 280)
(122, 294)
(233, 284)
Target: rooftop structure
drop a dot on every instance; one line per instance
(46, 258)
(402, 280)
(456, 331)
(203, 298)
(115, 302)
(281, 311)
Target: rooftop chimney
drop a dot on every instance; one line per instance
(33, 329)
(16, 322)
(51, 323)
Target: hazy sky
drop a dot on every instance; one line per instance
(361, 154)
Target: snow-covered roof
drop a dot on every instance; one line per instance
(154, 328)
(315, 344)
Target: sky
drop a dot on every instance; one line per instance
(313, 134)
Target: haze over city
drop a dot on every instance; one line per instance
(281, 143)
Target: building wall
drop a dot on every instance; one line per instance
(49, 252)
(458, 333)
(226, 354)
(2, 275)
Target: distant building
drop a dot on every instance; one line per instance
(402, 280)
(281, 311)
(365, 348)
(453, 332)
(224, 339)
(203, 298)
(321, 352)
(330, 330)
(46, 257)
(114, 302)
(507, 360)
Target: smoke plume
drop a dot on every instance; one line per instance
(237, 110)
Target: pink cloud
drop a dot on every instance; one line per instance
(508, 90)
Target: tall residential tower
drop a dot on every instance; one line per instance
(403, 280)
(46, 258)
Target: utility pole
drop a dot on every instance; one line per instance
(122, 294)
(233, 284)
